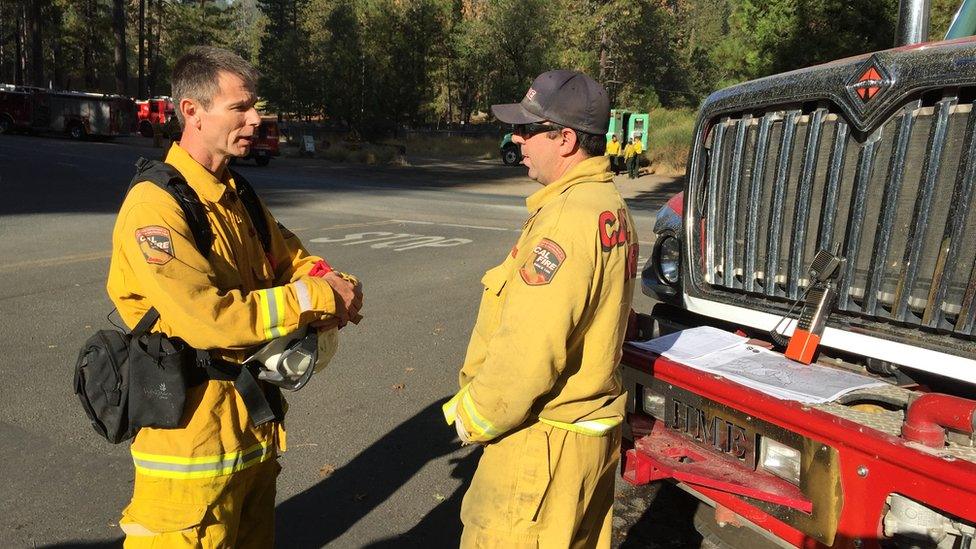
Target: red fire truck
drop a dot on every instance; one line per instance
(76, 114)
(265, 144)
(156, 110)
(15, 108)
(872, 161)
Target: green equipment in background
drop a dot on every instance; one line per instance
(625, 124)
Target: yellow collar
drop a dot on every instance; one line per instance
(595, 170)
(204, 183)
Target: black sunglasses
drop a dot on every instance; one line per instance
(528, 130)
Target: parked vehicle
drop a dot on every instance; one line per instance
(15, 108)
(77, 114)
(625, 125)
(156, 110)
(265, 143)
(511, 152)
(871, 159)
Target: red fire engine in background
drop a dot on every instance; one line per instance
(870, 160)
(77, 114)
(155, 111)
(265, 143)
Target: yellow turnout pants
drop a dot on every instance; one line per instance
(235, 510)
(542, 487)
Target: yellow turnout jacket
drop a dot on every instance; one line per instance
(236, 299)
(552, 318)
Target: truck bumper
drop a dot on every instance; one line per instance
(849, 471)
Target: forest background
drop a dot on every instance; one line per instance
(380, 66)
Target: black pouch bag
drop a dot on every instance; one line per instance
(127, 381)
(102, 384)
(158, 378)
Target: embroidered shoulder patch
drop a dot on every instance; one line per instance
(156, 244)
(542, 266)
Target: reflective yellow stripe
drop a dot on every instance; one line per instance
(450, 407)
(272, 305)
(482, 427)
(201, 466)
(589, 427)
(279, 301)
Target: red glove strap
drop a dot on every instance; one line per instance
(321, 268)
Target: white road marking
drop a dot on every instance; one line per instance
(482, 227)
(398, 242)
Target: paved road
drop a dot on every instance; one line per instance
(370, 461)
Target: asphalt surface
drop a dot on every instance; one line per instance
(370, 462)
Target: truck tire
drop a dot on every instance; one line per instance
(6, 124)
(145, 129)
(511, 155)
(76, 131)
(726, 537)
(262, 160)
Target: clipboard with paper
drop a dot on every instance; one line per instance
(731, 356)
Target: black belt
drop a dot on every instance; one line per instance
(262, 400)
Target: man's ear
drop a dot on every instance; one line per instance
(570, 141)
(191, 112)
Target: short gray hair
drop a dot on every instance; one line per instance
(196, 75)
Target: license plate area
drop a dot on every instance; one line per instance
(711, 426)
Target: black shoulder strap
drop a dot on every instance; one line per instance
(169, 179)
(253, 206)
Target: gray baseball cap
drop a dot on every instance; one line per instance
(568, 98)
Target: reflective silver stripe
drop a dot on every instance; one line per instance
(230, 463)
(273, 320)
(304, 300)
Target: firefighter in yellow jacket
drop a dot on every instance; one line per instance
(614, 154)
(211, 481)
(539, 385)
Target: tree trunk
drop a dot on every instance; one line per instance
(118, 28)
(57, 46)
(142, 51)
(150, 48)
(20, 62)
(156, 19)
(37, 45)
(88, 53)
(4, 23)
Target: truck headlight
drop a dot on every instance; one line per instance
(780, 460)
(667, 255)
(653, 403)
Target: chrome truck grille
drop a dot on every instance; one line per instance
(896, 202)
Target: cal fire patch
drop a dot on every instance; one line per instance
(156, 244)
(542, 266)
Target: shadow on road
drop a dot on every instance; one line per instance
(654, 199)
(327, 510)
(50, 175)
(666, 523)
(114, 544)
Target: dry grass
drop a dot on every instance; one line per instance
(479, 147)
(360, 153)
(669, 140)
(447, 147)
